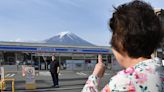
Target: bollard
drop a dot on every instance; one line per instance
(2, 78)
(13, 86)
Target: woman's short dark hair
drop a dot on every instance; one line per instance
(136, 29)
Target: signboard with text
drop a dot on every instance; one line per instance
(30, 78)
(55, 49)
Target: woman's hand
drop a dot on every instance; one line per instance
(99, 68)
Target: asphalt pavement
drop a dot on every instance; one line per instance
(69, 81)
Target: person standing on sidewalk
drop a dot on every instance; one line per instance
(54, 70)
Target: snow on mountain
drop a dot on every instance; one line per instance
(67, 38)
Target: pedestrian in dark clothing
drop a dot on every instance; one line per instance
(54, 70)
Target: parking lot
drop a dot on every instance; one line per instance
(69, 81)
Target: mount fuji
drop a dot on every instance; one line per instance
(67, 38)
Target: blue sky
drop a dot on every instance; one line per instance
(37, 20)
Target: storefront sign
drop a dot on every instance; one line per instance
(55, 49)
(30, 78)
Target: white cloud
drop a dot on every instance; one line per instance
(17, 40)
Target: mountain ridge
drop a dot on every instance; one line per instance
(67, 38)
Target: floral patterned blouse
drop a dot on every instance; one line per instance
(146, 76)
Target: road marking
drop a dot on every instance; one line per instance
(47, 73)
(80, 73)
(83, 73)
(12, 75)
(44, 73)
(9, 75)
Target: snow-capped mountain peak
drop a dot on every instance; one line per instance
(67, 38)
(62, 34)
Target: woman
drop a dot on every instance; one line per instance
(136, 33)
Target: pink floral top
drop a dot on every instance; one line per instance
(146, 76)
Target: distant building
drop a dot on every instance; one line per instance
(70, 50)
(39, 55)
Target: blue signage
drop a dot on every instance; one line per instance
(51, 49)
(18, 48)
